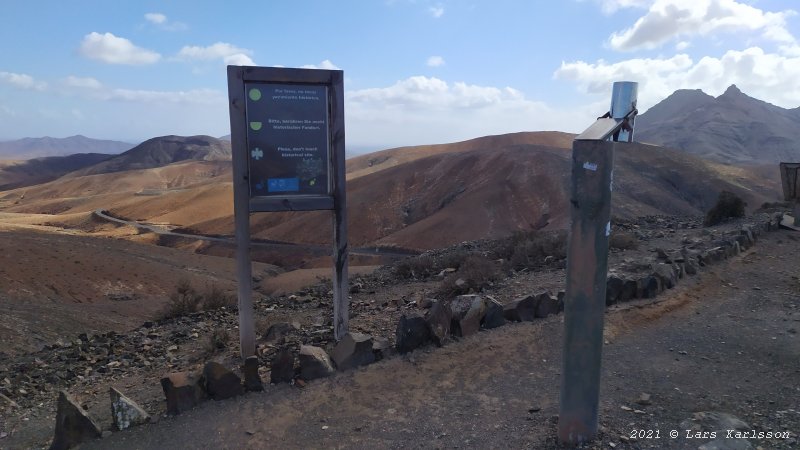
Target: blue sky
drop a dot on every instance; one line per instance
(416, 71)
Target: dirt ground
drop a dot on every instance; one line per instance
(725, 340)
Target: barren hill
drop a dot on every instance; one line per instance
(161, 151)
(417, 197)
(19, 173)
(452, 197)
(47, 146)
(732, 128)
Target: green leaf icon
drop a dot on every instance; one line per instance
(255, 126)
(255, 94)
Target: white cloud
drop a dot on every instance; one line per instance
(772, 77)
(22, 81)
(84, 83)
(611, 6)
(326, 65)
(111, 49)
(682, 45)
(92, 88)
(435, 61)
(161, 21)
(238, 59)
(666, 20)
(420, 110)
(194, 96)
(228, 53)
(156, 18)
(436, 11)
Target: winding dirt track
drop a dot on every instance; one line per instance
(725, 340)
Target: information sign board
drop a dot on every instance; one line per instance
(288, 139)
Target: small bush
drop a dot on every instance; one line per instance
(529, 249)
(476, 273)
(218, 340)
(729, 205)
(623, 240)
(215, 297)
(425, 266)
(185, 300)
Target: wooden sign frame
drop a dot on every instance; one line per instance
(245, 201)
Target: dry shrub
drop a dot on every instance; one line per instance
(215, 297)
(476, 272)
(530, 248)
(623, 240)
(426, 266)
(185, 300)
(729, 205)
(218, 340)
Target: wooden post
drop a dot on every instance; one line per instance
(241, 212)
(341, 300)
(585, 297)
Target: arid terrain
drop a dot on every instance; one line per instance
(93, 256)
(723, 340)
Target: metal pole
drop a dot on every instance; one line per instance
(241, 212)
(623, 100)
(587, 266)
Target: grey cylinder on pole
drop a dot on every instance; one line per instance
(623, 100)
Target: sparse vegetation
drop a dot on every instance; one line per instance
(525, 249)
(216, 298)
(425, 266)
(474, 275)
(623, 240)
(218, 340)
(729, 205)
(186, 300)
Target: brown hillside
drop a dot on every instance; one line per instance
(451, 195)
(373, 162)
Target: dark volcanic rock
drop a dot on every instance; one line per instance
(439, 318)
(650, 286)
(546, 305)
(282, 367)
(614, 285)
(314, 363)
(468, 312)
(73, 424)
(221, 383)
(125, 412)
(252, 380)
(411, 334)
(494, 314)
(521, 310)
(182, 390)
(355, 349)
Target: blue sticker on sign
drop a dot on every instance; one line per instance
(283, 184)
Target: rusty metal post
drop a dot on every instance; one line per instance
(587, 264)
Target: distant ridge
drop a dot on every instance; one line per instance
(28, 148)
(161, 151)
(732, 128)
(16, 174)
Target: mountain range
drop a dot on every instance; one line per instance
(732, 128)
(431, 196)
(28, 148)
